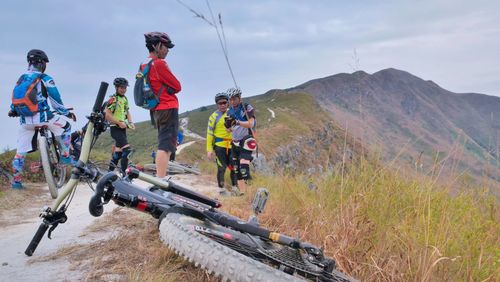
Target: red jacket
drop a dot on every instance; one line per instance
(160, 75)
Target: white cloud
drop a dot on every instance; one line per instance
(272, 44)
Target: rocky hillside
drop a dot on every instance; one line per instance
(414, 120)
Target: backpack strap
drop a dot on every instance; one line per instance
(217, 118)
(44, 89)
(115, 102)
(148, 81)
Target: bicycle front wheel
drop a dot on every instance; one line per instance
(178, 233)
(55, 174)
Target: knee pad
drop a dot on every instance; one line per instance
(116, 156)
(244, 172)
(124, 162)
(126, 152)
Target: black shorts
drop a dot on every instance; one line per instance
(223, 156)
(119, 135)
(167, 122)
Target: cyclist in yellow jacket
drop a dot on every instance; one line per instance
(219, 142)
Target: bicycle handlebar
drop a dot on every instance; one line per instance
(100, 97)
(36, 239)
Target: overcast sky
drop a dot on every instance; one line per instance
(271, 44)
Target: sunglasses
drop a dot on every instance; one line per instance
(222, 103)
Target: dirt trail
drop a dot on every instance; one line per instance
(19, 223)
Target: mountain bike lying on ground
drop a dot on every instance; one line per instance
(83, 170)
(192, 225)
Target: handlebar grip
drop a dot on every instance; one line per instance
(100, 97)
(36, 239)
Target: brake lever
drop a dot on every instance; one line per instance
(52, 229)
(55, 219)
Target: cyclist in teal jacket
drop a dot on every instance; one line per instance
(31, 96)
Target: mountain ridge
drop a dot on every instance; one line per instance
(392, 107)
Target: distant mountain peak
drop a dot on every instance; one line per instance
(392, 73)
(360, 73)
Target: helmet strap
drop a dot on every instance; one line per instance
(42, 66)
(157, 48)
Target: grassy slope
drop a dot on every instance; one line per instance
(381, 226)
(296, 115)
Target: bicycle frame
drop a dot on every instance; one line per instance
(84, 156)
(206, 210)
(167, 197)
(55, 214)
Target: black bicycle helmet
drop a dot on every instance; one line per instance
(153, 38)
(221, 96)
(233, 92)
(120, 81)
(37, 56)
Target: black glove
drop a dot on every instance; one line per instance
(71, 116)
(12, 113)
(229, 122)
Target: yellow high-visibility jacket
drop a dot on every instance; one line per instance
(217, 135)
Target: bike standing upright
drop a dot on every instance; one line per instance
(30, 102)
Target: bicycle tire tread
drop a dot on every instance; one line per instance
(216, 258)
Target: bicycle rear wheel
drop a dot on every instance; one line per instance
(55, 174)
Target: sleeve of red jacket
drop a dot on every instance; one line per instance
(166, 76)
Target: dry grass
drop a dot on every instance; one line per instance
(377, 224)
(34, 193)
(381, 226)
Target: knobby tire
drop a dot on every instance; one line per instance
(216, 258)
(47, 168)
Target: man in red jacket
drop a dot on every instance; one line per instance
(166, 86)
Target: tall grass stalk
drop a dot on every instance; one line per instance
(382, 226)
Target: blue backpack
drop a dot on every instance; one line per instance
(24, 95)
(143, 94)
